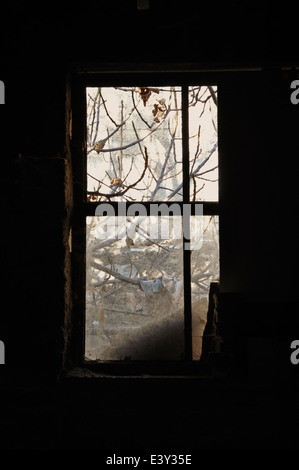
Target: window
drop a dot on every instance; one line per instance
(145, 232)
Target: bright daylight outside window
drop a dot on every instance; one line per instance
(139, 276)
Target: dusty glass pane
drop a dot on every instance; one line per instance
(134, 146)
(134, 290)
(204, 270)
(203, 143)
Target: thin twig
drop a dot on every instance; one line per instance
(121, 193)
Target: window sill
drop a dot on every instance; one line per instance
(118, 370)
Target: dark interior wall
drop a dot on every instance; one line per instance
(257, 128)
(258, 228)
(258, 139)
(258, 133)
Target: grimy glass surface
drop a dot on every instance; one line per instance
(134, 291)
(135, 280)
(134, 145)
(203, 143)
(204, 270)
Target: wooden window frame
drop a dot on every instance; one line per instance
(83, 208)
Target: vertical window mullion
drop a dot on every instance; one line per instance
(186, 253)
(185, 134)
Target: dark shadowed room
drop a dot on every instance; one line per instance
(149, 285)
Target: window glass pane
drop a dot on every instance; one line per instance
(134, 145)
(203, 143)
(134, 289)
(204, 270)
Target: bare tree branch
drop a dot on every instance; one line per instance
(120, 276)
(213, 94)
